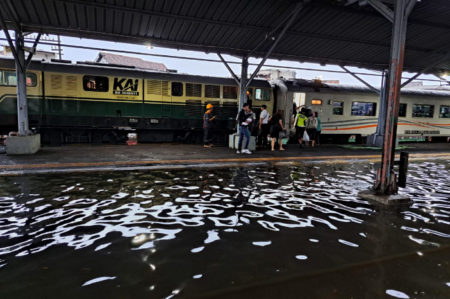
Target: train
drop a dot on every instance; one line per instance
(101, 103)
(352, 111)
(88, 102)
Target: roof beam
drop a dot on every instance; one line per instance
(382, 9)
(33, 50)
(296, 10)
(360, 79)
(229, 69)
(437, 62)
(10, 42)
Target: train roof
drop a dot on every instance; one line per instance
(92, 68)
(302, 85)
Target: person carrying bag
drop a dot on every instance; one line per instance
(311, 128)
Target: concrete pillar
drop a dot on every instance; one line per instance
(386, 179)
(22, 105)
(25, 143)
(242, 87)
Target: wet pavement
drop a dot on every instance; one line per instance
(112, 157)
(294, 231)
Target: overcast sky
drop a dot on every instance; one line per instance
(205, 68)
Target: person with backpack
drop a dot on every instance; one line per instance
(311, 128)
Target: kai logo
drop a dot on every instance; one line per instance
(124, 86)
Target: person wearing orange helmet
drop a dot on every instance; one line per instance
(208, 119)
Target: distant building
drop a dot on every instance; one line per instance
(272, 74)
(109, 58)
(39, 55)
(330, 81)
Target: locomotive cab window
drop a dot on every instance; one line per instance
(364, 109)
(230, 92)
(402, 110)
(444, 112)
(8, 78)
(95, 83)
(177, 89)
(338, 108)
(262, 94)
(423, 111)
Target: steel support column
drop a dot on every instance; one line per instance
(243, 83)
(377, 138)
(386, 178)
(22, 105)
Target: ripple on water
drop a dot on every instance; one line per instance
(202, 210)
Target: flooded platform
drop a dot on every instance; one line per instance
(259, 231)
(76, 158)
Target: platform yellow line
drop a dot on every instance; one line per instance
(205, 161)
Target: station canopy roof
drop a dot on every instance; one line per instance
(344, 32)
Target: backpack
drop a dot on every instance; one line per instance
(312, 123)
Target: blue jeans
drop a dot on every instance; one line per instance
(243, 131)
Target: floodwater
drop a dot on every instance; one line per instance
(295, 231)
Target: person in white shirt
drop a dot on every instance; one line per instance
(263, 126)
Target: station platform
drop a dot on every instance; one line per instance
(83, 158)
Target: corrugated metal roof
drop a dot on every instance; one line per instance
(325, 31)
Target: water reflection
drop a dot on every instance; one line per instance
(175, 232)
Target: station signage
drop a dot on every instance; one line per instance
(126, 86)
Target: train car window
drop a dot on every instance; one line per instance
(364, 109)
(262, 94)
(193, 90)
(95, 83)
(402, 110)
(212, 91)
(420, 110)
(338, 108)
(8, 78)
(444, 112)
(230, 92)
(177, 89)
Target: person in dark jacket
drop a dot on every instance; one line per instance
(244, 119)
(277, 127)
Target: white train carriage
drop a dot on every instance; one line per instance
(349, 110)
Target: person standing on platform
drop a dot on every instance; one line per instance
(319, 128)
(244, 119)
(263, 127)
(208, 119)
(300, 122)
(311, 128)
(277, 127)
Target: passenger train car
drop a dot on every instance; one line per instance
(98, 103)
(95, 103)
(353, 111)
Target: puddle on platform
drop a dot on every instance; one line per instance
(184, 233)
